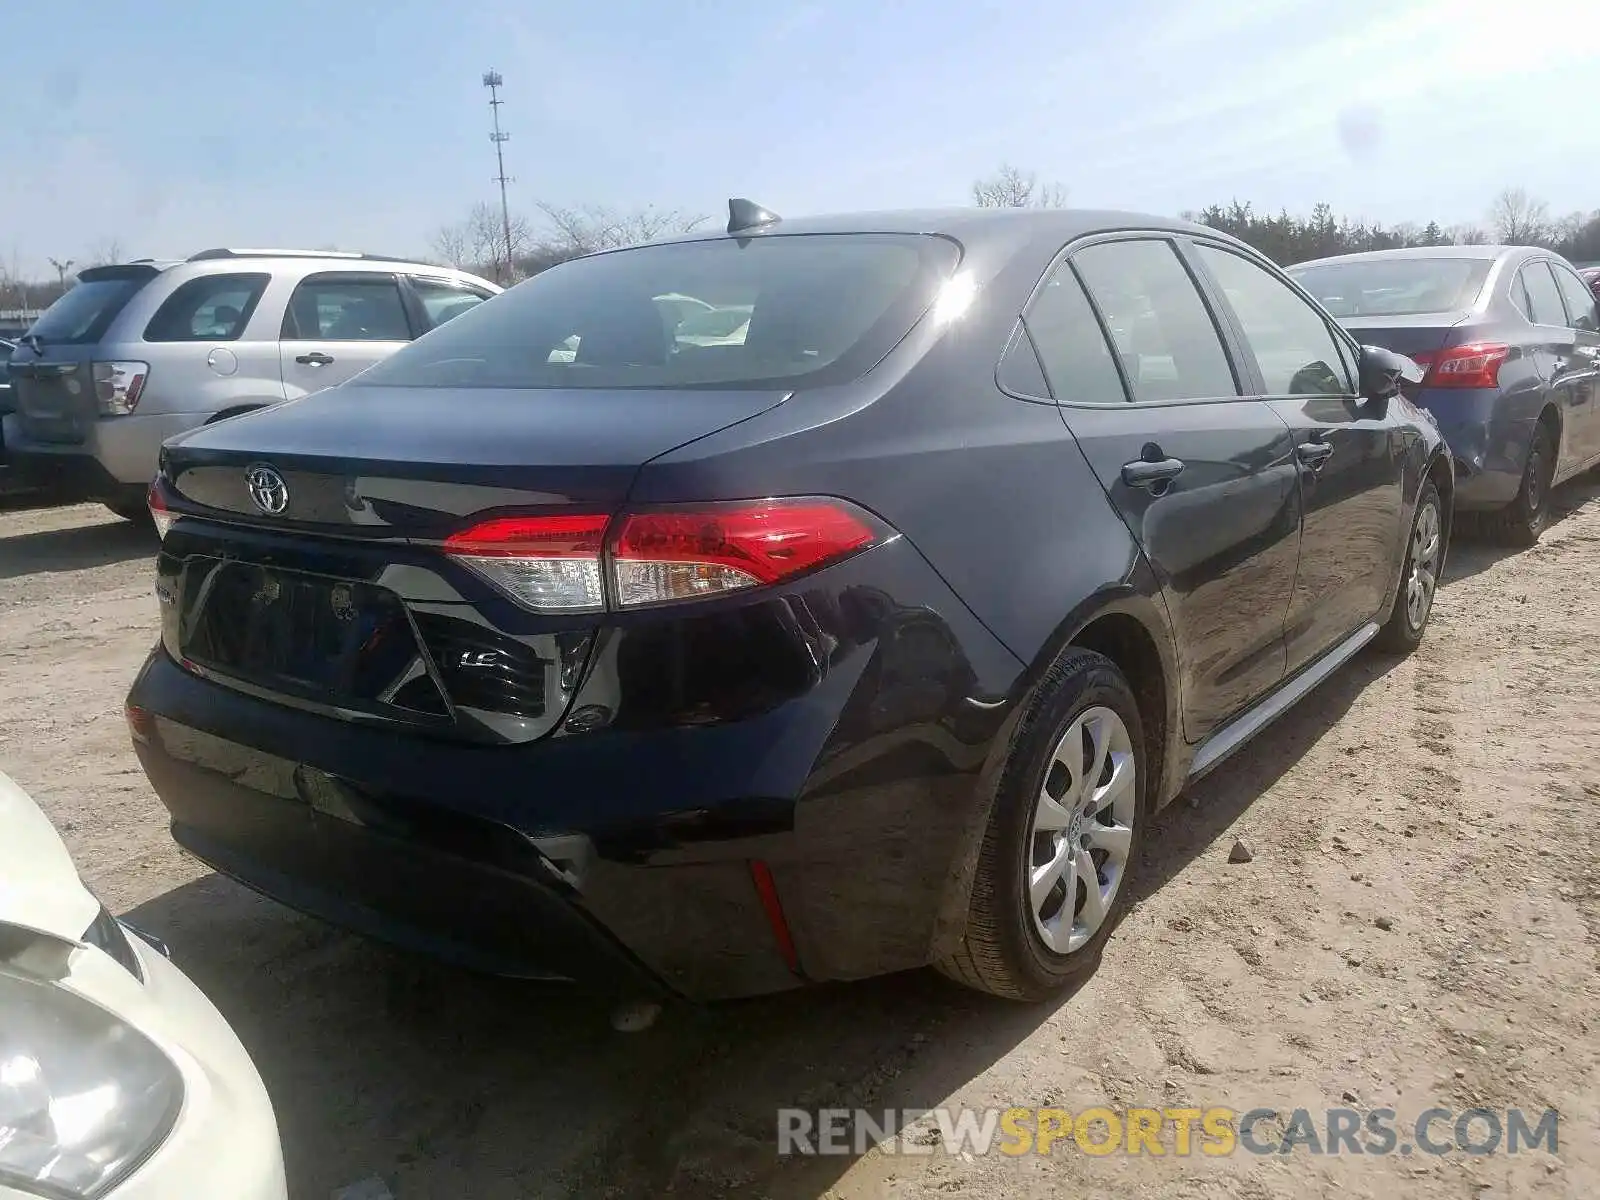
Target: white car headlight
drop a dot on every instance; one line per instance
(84, 1098)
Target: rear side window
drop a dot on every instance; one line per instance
(213, 308)
(1293, 346)
(1164, 334)
(84, 314)
(444, 300)
(1544, 298)
(346, 308)
(1580, 300)
(802, 310)
(1072, 347)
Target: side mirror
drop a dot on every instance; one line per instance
(1383, 373)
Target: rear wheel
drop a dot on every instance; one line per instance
(1419, 580)
(1522, 521)
(1060, 851)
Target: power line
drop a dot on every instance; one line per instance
(492, 81)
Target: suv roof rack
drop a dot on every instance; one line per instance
(239, 252)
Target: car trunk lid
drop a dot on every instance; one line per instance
(1420, 333)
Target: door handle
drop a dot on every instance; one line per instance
(315, 359)
(1313, 454)
(1146, 474)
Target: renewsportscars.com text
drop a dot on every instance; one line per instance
(1213, 1131)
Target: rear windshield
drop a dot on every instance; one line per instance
(86, 312)
(1392, 287)
(780, 311)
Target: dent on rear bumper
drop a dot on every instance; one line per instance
(846, 756)
(1489, 447)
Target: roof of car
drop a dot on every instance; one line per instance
(959, 223)
(1489, 252)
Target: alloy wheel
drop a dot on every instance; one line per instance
(1082, 830)
(1424, 577)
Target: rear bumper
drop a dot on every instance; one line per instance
(623, 857)
(1490, 449)
(117, 458)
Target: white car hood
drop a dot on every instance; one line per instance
(39, 886)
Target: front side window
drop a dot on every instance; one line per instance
(792, 310)
(335, 308)
(213, 308)
(1580, 300)
(1544, 298)
(1294, 348)
(1164, 334)
(444, 300)
(1077, 362)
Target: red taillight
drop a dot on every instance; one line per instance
(560, 563)
(545, 563)
(660, 556)
(1474, 365)
(159, 513)
(141, 723)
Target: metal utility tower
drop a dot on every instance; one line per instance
(492, 81)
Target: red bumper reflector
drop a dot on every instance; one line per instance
(767, 889)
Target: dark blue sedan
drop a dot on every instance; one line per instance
(1508, 335)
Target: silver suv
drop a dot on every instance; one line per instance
(138, 352)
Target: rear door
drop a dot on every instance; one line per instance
(1585, 364)
(339, 323)
(1347, 451)
(1566, 374)
(1204, 478)
(52, 374)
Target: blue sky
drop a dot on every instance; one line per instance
(345, 122)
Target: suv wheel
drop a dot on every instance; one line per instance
(1419, 579)
(1522, 521)
(1062, 845)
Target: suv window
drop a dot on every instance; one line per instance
(1077, 362)
(1164, 334)
(1580, 300)
(444, 300)
(824, 308)
(1294, 348)
(84, 313)
(346, 308)
(213, 308)
(1543, 295)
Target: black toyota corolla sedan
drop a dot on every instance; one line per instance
(867, 635)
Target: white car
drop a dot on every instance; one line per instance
(118, 1078)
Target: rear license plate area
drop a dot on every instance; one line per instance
(332, 640)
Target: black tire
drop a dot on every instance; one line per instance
(1402, 632)
(1002, 951)
(1521, 522)
(139, 514)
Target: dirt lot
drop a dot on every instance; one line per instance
(1453, 794)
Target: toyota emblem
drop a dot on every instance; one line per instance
(267, 489)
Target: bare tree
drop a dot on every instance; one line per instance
(595, 227)
(452, 245)
(1010, 188)
(1519, 219)
(106, 251)
(62, 267)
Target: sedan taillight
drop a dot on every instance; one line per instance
(1474, 365)
(160, 514)
(566, 563)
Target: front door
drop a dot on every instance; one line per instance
(1347, 452)
(1204, 479)
(337, 324)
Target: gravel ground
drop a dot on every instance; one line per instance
(1419, 927)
